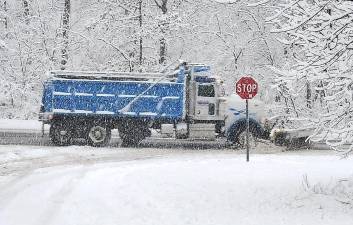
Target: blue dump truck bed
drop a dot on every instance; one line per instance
(87, 105)
(162, 100)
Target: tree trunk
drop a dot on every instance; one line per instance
(140, 22)
(162, 42)
(5, 10)
(162, 51)
(26, 10)
(66, 27)
(308, 95)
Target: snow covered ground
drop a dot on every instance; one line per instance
(84, 185)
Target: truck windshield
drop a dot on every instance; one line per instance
(206, 91)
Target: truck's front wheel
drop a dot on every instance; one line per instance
(60, 133)
(98, 135)
(237, 134)
(241, 139)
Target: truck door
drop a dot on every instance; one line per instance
(205, 104)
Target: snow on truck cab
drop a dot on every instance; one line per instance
(187, 103)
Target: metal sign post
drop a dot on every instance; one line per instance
(247, 131)
(246, 88)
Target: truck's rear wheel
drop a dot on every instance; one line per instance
(133, 132)
(98, 135)
(131, 141)
(134, 136)
(60, 133)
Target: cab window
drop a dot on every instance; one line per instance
(206, 91)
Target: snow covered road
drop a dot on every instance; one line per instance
(82, 185)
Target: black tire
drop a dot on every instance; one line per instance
(61, 133)
(241, 139)
(130, 141)
(133, 132)
(98, 135)
(253, 130)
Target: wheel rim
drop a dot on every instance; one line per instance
(242, 140)
(97, 134)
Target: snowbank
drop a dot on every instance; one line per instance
(13, 125)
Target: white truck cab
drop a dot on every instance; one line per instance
(206, 97)
(211, 114)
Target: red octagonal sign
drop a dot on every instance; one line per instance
(246, 87)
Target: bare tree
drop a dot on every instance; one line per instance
(121, 35)
(5, 17)
(65, 33)
(140, 24)
(162, 5)
(26, 10)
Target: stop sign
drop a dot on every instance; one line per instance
(246, 87)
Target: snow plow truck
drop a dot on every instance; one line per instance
(186, 103)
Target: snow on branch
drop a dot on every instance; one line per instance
(259, 3)
(318, 34)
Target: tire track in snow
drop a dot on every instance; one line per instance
(59, 197)
(9, 191)
(30, 182)
(21, 166)
(30, 166)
